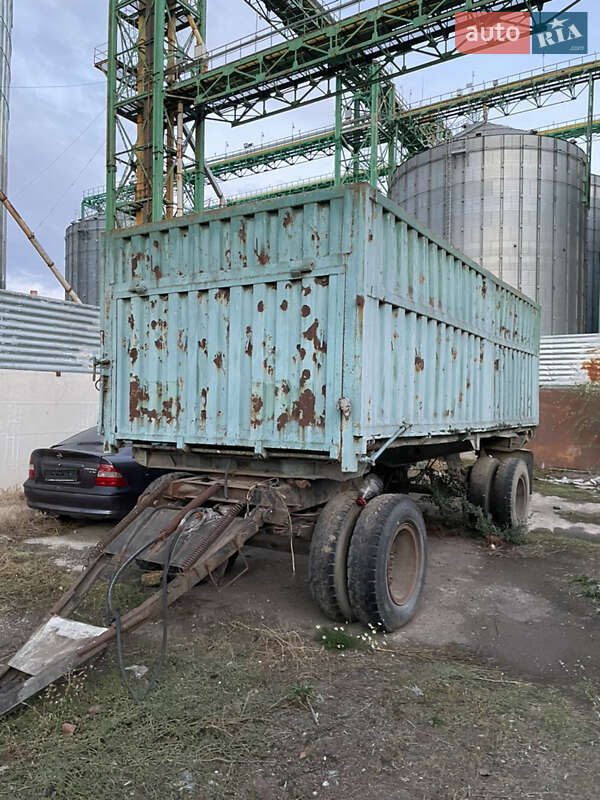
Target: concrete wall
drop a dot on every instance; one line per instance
(38, 409)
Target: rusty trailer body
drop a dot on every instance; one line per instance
(295, 358)
(308, 332)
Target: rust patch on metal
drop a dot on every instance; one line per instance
(305, 311)
(419, 363)
(370, 236)
(202, 346)
(454, 353)
(131, 321)
(304, 377)
(421, 279)
(181, 342)
(222, 295)
(167, 410)
(592, 368)
(360, 301)
(496, 364)
(249, 347)
(268, 368)
(432, 302)
(256, 406)
(301, 351)
(483, 288)
(287, 219)
(468, 384)
(324, 390)
(306, 290)
(218, 360)
(303, 409)
(282, 421)
(156, 245)
(204, 396)
(260, 306)
(284, 305)
(481, 352)
(263, 258)
(159, 343)
(227, 255)
(157, 273)
(138, 395)
(460, 397)
(133, 354)
(322, 281)
(311, 335)
(242, 232)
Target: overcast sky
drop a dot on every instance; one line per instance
(57, 122)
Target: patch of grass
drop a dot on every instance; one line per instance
(238, 714)
(566, 491)
(29, 581)
(18, 521)
(336, 639)
(589, 588)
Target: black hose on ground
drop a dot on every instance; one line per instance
(113, 615)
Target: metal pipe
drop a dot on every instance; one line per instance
(45, 257)
(179, 161)
(6, 16)
(215, 185)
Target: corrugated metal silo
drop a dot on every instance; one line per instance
(592, 258)
(83, 257)
(514, 202)
(6, 16)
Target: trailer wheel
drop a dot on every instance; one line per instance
(481, 482)
(328, 556)
(387, 562)
(510, 503)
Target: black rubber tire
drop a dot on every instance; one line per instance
(510, 500)
(481, 482)
(328, 555)
(370, 562)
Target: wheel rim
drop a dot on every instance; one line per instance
(404, 564)
(521, 495)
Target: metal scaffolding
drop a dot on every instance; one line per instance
(164, 85)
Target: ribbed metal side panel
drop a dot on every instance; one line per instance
(515, 204)
(448, 348)
(246, 327)
(592, 267)
(6, 17)
(569, 360)
(84, 252)
(47, 335)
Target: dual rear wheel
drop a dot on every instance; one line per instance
(369, 564)
(502, 489)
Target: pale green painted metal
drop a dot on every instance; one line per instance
(244, 328)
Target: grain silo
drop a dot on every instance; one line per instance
(592, 259)
(6, 16)
(513, 201)
(83, 256)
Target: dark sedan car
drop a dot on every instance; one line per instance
(77, 479)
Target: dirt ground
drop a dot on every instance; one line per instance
(492, 691)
